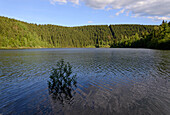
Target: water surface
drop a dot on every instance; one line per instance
(109, 81)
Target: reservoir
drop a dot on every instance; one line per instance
(113, 81)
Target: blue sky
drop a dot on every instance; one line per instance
(87, 12)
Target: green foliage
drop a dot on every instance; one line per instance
(18, 34)
(159, 38)
(62, 83)
(15, 34)
(129, 30)
(33, 35)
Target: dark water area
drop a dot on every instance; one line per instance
(109, 81)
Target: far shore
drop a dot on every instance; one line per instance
(8, 48)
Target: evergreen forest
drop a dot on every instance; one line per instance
(19, 34)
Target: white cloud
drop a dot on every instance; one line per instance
(120, 12)
(156, 18)
(146, 8)
(60, 1)
(90, 21)
(64, 1)
(107, 9)
(74, 1)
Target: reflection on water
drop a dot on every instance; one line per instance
(62, 83)
(109, 81)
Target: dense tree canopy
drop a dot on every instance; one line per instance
(14, 33)
(18, 34)
(158, 38)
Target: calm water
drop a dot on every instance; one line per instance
(109, 81)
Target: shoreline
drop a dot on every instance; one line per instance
(11, 48)
(22, 48)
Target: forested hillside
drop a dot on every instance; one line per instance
(18, 34)
(121, 31)
(14, 33)
(157, 38)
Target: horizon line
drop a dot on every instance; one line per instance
(77, 25)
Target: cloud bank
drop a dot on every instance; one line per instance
(153, 9)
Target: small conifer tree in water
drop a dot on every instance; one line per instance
(62, 83)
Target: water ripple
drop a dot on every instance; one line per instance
(110, 81)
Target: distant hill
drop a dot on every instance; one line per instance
(19, 34)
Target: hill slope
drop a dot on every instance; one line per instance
(18, 34)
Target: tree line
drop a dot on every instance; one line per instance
(19, 34)
(158, 38)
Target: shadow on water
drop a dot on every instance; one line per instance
(62, 83)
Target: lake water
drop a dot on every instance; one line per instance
(109, 81)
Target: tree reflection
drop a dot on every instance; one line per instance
(62, 83)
